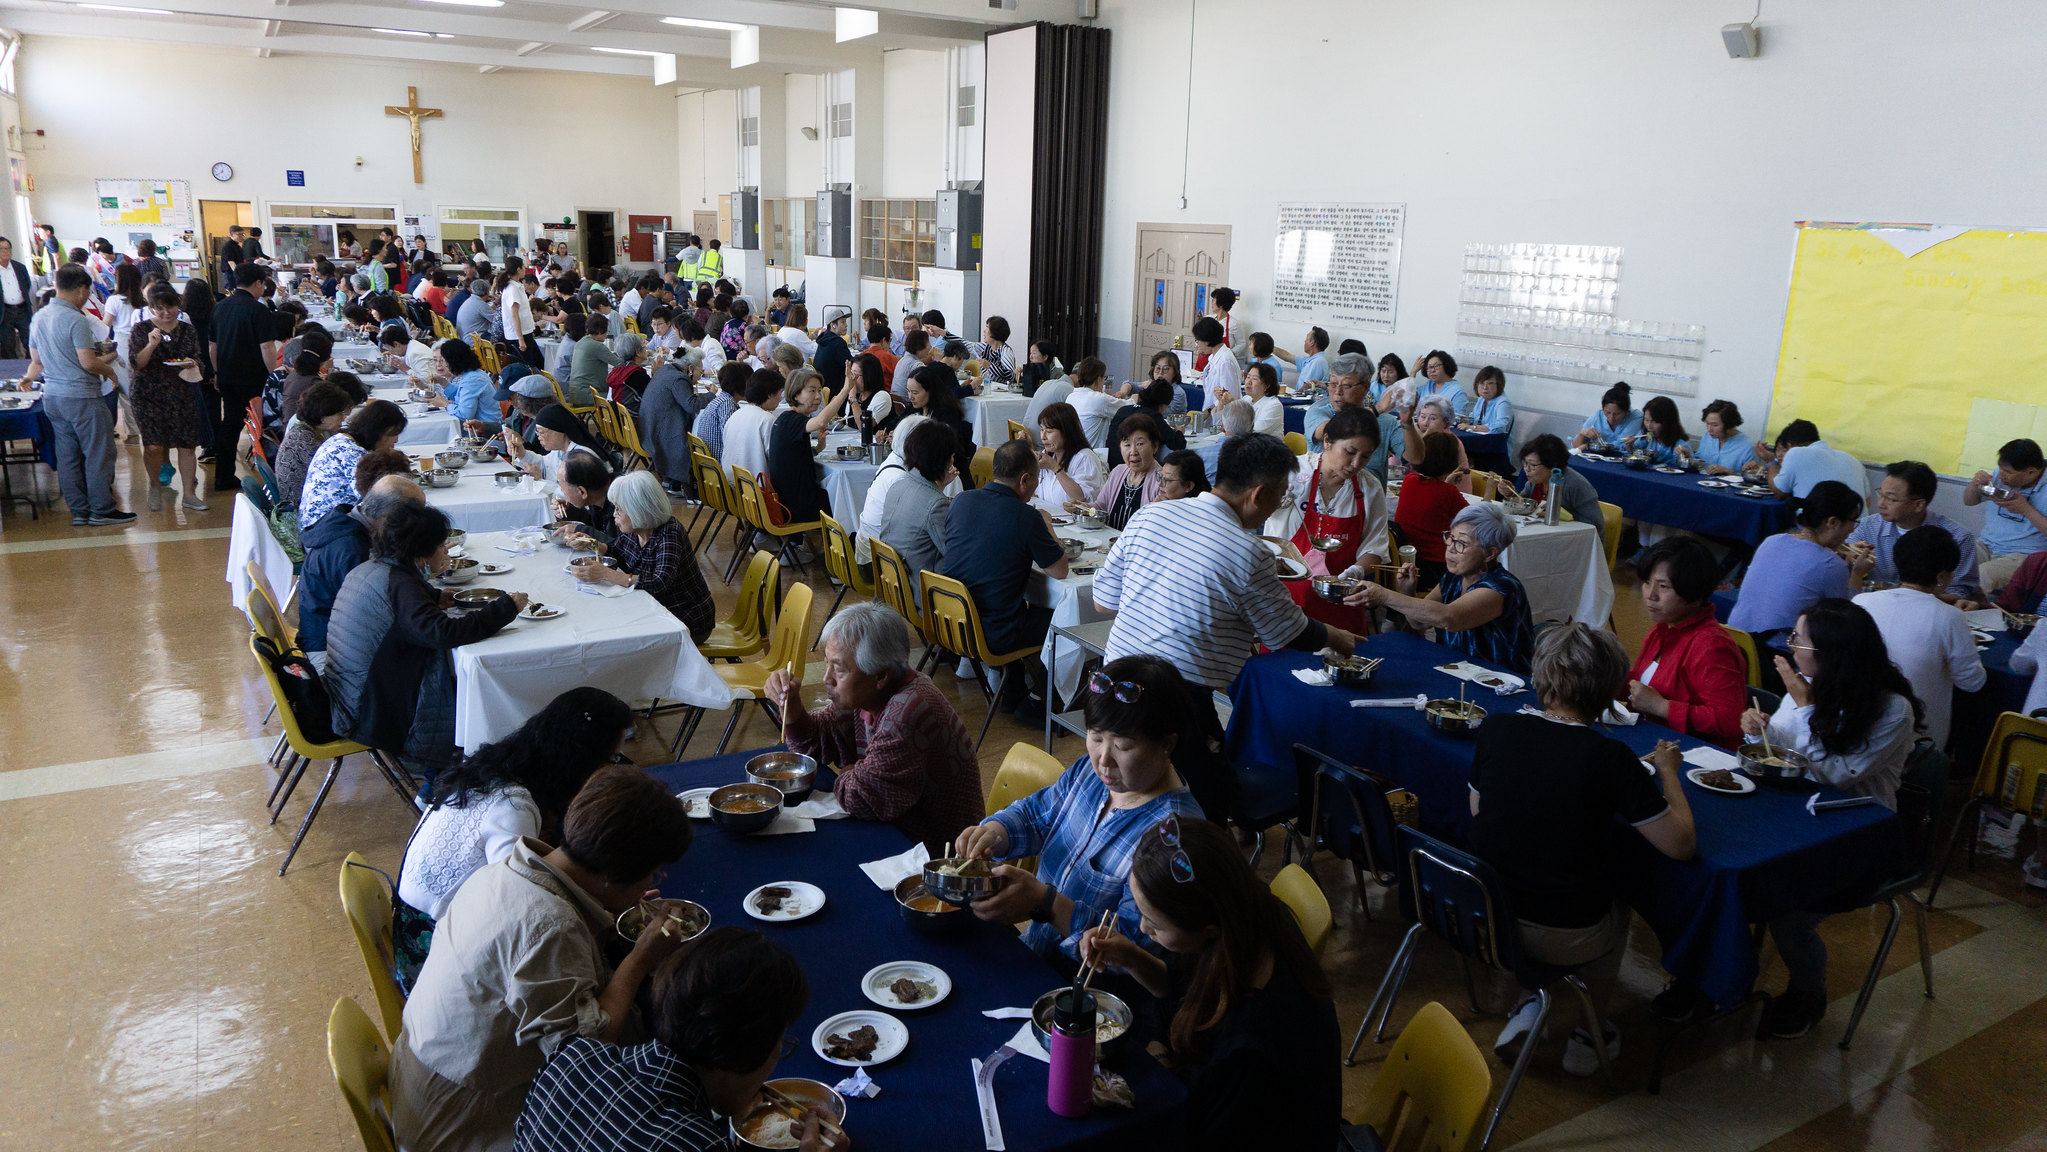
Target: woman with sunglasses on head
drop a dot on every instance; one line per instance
(1853, 716)
(1253, 1028)
(1085, 827)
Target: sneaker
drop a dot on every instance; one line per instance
(1507, 1045)
(80, 521)
(2035, 872)
(101, 519)
(155, 498)
(1791, 1015)
(164, 475)
(1681, 1003)
(195, 504)
(1579, 1057)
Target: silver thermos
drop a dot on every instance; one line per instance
(1549, 500)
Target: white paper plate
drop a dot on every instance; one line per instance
(1292, 569)
(494, 569)
(691, 802)
(878, 978)
(807, 900)
(1743, 785)
(894, 1036)
(1710, 482)
(1668, 470)
(546, 612)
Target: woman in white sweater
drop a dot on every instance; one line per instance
(478, 810)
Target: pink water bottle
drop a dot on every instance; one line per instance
(1070, 1041)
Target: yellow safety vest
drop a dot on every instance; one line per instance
(688, 271)
(713, 265)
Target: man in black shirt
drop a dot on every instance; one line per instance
(231, 256)
(244, 349)
(252, 248)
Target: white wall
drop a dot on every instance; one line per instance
(707, 148)
(803, 159)
(1596, 122)
(500, 142)
(914, 96)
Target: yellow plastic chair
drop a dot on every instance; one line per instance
(581, 411)
(749, 682)
(368, 905)
(264, 613)
(1297, 443)
(712, 494)
(983, 467)
(892, 585)
(362, 1070)
(1297, 889)
(746, 630)
(600, 415)
(1025, 769)
(1431, 1092)
(1611, 532)
(1750, 660)
(632, 325)
(1018, 431)
(839, 562)
(2010, 775)
(629, 438)
(444, 330)
(754, 510)
(307, 752)
(956, 627)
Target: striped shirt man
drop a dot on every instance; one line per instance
(1189, 583)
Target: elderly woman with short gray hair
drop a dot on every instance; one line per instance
(1546, 790)
(904, 754)
(1433, 414)
(1479, 605)
(654, 554)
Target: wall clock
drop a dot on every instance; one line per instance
(223, 171)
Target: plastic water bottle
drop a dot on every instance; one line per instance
(1070, 1089)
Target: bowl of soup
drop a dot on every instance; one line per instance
(744, 808)
(765, 1126)
(1772, 763)
(791, 773)
(927, 913)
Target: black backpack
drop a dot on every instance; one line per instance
(303, 690)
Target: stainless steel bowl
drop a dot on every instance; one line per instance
(440, 478)
(588, 559)
(1457, 717)
(935, 917)
(461, 570)
(1090, 517)
(478, 597)
(791, 773)
(507, 480)
(743, 822)
(633, 921)
(1333, 588)
(2020, 624)
(451, 458)
(456, 537)
(482, 454)
(956, 889)
(1636, 462)
(1073, 548)
(806, 1094)
(1775, 764)
(1112, 1021)
(1350, 671)
(852, 452)
(1518, 507)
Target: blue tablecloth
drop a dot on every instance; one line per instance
(30, 424)
(1296, 410)
(1759, 855)
(1488, 452)
(927, 1094)
(1679, 502)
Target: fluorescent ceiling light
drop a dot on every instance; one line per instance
(746, 46)
(628, 52)
(714, 25)
(410, 32)
(664, 68)
(131, 11)
(853, 23)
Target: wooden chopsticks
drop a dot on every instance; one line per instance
(781, 1102)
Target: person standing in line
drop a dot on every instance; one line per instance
(17, 303)
(64, 353)
(244, 345)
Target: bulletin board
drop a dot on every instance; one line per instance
(145, 203)
(1916, 341)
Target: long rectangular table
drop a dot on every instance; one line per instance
(1680, 501)
(629, 645)
(424, 427)
(1759, 855)
(989, 414)
(927, 1096)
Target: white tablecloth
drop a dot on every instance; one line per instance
(630, 646)
(1072, 601)
(477, 504)
(250, 539)
(990, 413)
(355, 350)
(424, 427)
(1563, 569)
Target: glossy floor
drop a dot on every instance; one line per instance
(171, 991)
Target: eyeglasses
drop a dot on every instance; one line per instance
(1801, 647)
(1169, 835)
(1453, 544)
(1125, 691)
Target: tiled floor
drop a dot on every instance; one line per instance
(171, 991)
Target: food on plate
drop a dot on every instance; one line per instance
(908, 991)
(1719, 778)
(858, 1044)
(775, 900)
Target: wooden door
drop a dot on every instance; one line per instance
(704, 223)
(1177, 267)
(215, 217)
(642, 230)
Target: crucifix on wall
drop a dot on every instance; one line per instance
(413, 113)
